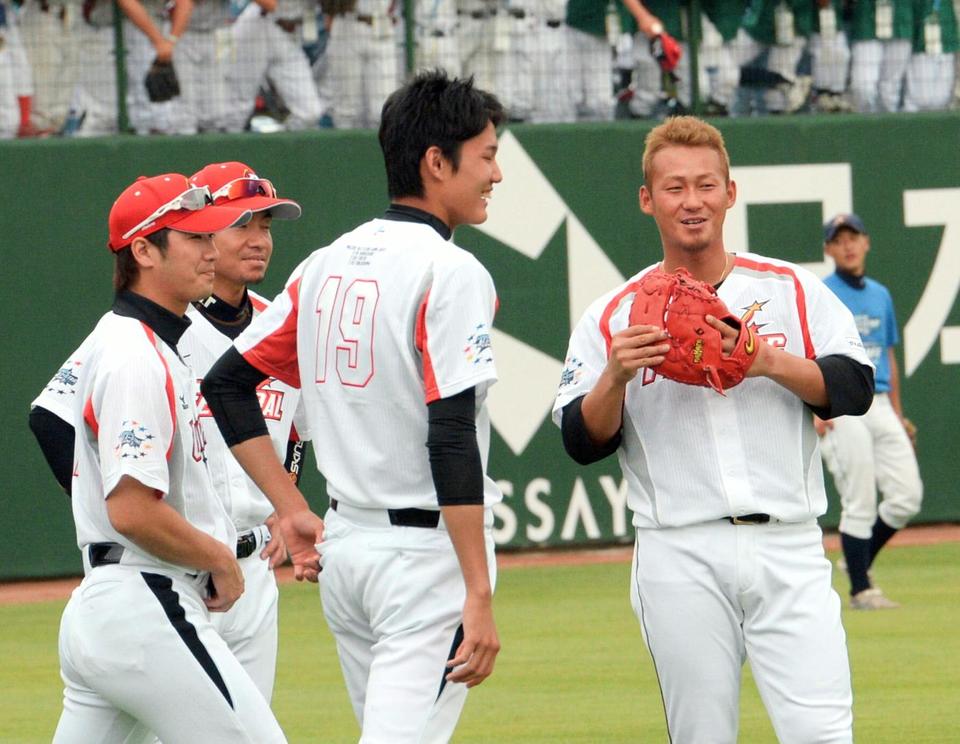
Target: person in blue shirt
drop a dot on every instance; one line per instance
(875, 451)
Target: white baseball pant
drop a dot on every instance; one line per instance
(864, 453)
(138, 654)
(712, 595)
(393, 598)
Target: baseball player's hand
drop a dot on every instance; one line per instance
(821, 426)
(476, 655)
(635, 347)
(730, 335)
(275, 550)
(302, 531)
(226, 583)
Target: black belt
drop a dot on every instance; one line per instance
(554, 24)
(517, 12)
(407, 517)
(104, 554)
(363, 18)
(750, 519)
(478, 15)
(246, 544)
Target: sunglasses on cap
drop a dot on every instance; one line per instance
(244, 188)
(193, 199)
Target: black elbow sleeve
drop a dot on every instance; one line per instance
(849, 384)
(230, 389)
(56, 438)
(576, 440)
(455, 462)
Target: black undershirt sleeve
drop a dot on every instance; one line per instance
(576, 440)
(230, 389)
(55, 437)
(849, 384)
(454, 454)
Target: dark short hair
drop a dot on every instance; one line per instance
(125, 266)
(432, 109)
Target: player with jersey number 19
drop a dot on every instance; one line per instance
(387, 333)
(725, 490)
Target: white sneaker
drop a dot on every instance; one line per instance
(872, 599)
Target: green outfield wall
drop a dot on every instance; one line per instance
(564, 227)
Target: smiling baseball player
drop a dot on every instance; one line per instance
(725, 489)
(138, 653)
(243, 254)
(387, 332)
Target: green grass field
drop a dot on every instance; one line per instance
(573, 666)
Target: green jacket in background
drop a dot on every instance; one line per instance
(863, 27)
(726, 15)
(758, 19)
(590, 16)
(948, 24)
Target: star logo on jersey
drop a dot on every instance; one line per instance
(477, 349)
(572, 372)
(64, 381)
(777, 340)
(133, 441)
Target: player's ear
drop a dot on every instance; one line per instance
(434, 164)
(646, 200)
(731, 193)
(140, 250)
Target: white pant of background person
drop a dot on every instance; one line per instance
(929, 82)
(393, 598)
(719, 71)
(782, 59)
(864, 453)
(49, 39)
(590, 75)
(199, 61)
(128, 670)
(877, 74)
(250, 627)
(261, 48)
(712, 595)
(15, 77)
(831, 61)
(147, 117)
(480, 54)
(94, 97)
(361, 69)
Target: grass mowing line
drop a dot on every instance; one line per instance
(573, 668)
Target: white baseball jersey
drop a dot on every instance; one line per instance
(202, 345)
(690, 455)
(135, 414)
(388, 318)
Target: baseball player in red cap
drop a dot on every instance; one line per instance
(250, 627)
(137, 649)
(243, 254)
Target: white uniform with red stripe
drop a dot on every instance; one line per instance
(372, 328)
(709, 594)
(250, 627)
(137, 649)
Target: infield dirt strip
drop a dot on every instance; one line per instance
(21, 592)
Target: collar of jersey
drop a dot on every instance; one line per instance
(229, 320)
(403, 213)
(857, 282)
(166, 325)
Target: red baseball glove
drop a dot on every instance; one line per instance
(678, 303)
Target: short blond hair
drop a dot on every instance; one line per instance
(688, 131)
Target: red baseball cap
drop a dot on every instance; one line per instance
(238, 185)
(168, 200)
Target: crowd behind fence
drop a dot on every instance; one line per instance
(78, 68)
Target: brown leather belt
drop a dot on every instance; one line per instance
(288, 24)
